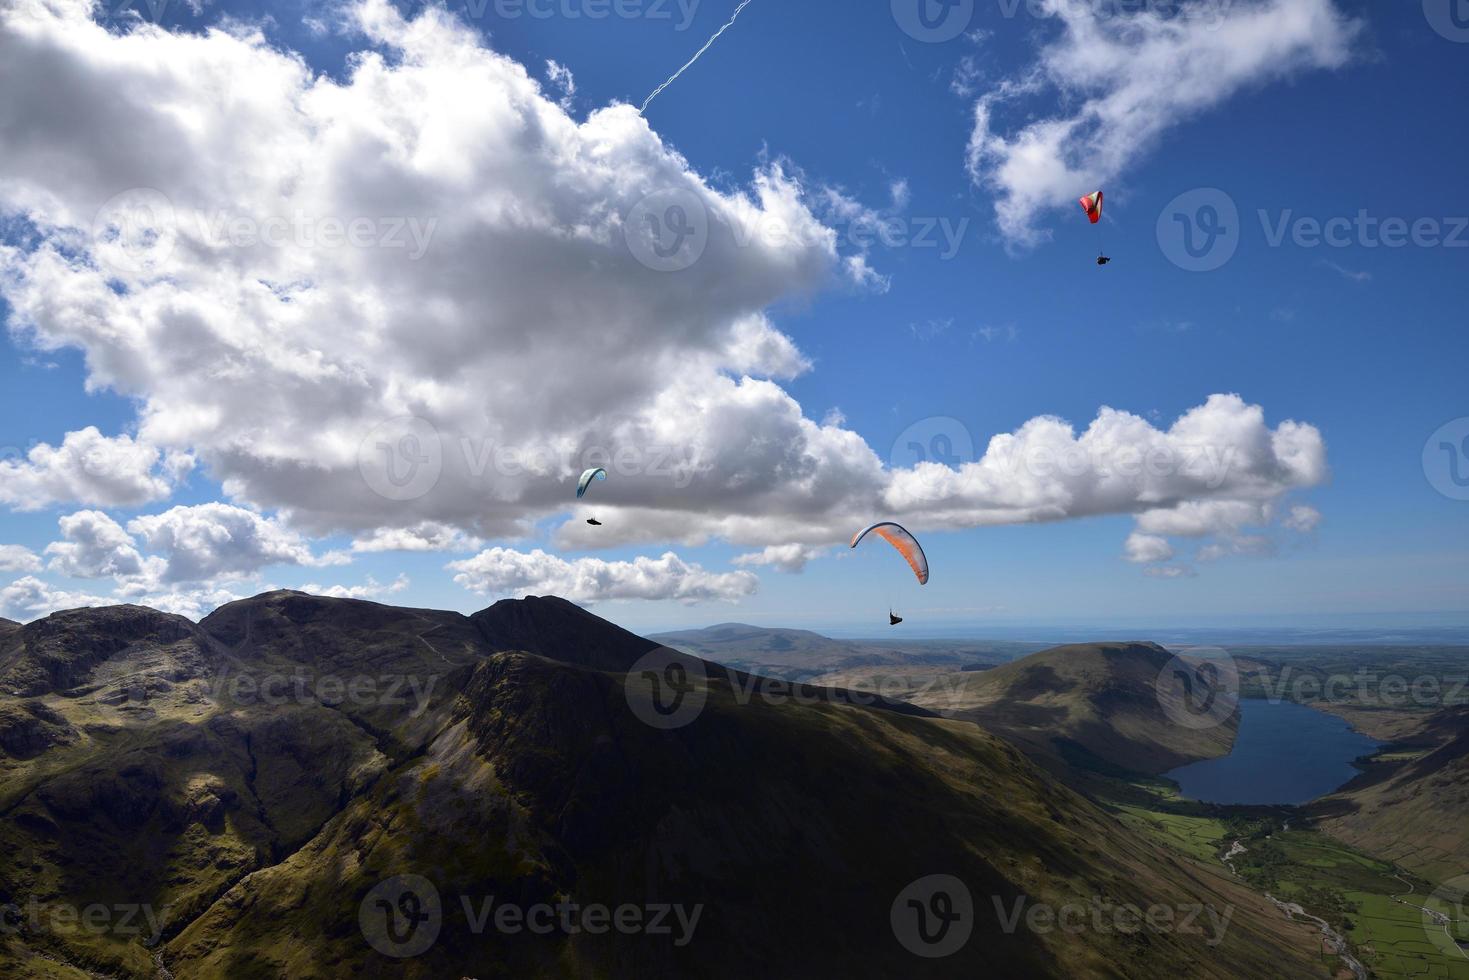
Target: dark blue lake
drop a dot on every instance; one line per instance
(1284, 753)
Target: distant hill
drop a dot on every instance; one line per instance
(255, 780)
(802, 654)
(1089, 705)
(1411, 810)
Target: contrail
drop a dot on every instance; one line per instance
(699, 54)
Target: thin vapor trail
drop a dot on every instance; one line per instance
(697, 55)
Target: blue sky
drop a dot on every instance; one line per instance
(1007, 324)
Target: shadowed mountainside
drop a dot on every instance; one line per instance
(552, 627)
(1412, 810)
(250, 781)
(1092, 706)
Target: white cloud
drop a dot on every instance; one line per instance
(563, 81)
(967, 77)
(1218, 468)
(90, 468)
(190, 602)
(371, 589)
(783, 557)
(1256, 545)
(500, 571)
(29, 598)
(989, 334)
(215, 541)
(427, 536)
(223, 339)
(96, 546)
(1303, 519)
(16, 558)
(1145, 548)
(530, 324)
(1170, 571)
(201, 546)
(1123, 79)
(1221, 456)
(1199, 518)
(929, 329)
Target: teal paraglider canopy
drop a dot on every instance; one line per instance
(595, 473)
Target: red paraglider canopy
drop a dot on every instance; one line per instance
(1092, 204)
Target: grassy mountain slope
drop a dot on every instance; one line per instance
(1091, 705)
(1411, 810)
(258, 829)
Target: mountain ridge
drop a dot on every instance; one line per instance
(259, 829)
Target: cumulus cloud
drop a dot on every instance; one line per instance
(16, 558)
(29, 598)
(1221, 457)
(524, 296)
(370, 589)
(1124, 79)
(90, 468)
(540, 316)
(1219, 468)
(1146, 548)
(214, 541)
(1199, 518)
(783, 557)
(195, 549)
(96, 546)
(500, 571)
(427, 536)
(191, 602)
(1302, 519)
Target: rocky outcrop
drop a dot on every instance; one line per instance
(29, 728)
(61, 651)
